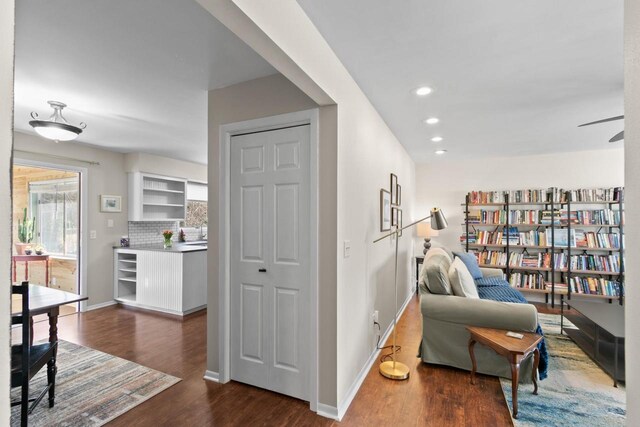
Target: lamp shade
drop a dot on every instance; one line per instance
(438, 221)
(424, 230)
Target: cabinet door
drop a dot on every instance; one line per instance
(160, 280)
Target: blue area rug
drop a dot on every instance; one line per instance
(576, 393)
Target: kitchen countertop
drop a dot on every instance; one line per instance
(177, 247)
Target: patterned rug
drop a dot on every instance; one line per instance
(92, 388)
(576, 393)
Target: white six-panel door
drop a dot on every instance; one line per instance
(270, 277)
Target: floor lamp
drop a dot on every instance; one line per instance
(391, 368)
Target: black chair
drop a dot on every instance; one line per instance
(27, 359)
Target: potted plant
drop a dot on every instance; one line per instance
(26, 230)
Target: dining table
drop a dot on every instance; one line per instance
(44, 300)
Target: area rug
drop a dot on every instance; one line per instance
(576, 393)
(92, 388)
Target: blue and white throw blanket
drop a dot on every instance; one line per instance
(498, 289)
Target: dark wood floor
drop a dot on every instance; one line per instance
(433, 395)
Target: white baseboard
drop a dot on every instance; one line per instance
(328, 411)
(101, 305)
(357, 383)
(212, 376)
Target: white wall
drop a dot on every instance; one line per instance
(7, 21)
(367, 153)
(107, 178)
(445, 183)
(632, 179)
(150, 163)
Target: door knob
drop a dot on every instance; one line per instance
(262, 270)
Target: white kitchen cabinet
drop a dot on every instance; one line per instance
(157, 198)
(171, 281)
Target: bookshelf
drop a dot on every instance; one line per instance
(568, 243)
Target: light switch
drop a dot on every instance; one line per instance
(110, 223)
(347, 248)
(93, 234)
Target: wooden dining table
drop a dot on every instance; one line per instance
(43, 300)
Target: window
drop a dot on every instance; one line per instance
(196, 205)
(54, 204)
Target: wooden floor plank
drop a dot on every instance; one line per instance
(432, 396)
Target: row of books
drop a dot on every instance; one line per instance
(579, 239)
(484, 216)
(527, 281)
(545, 217)
(594, 286)
(608, 263)
(599, 263)
(590, 195)
(591, 239)
(557, 195)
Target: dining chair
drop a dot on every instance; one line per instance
(28, 359)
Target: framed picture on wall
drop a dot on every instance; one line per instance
(400, 221)
(399, 195)
(385, 210)
(110, 203)
(394, 216)
(394, 190)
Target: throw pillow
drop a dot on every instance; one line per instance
(462, 283)
(437, 274)
(471, 262)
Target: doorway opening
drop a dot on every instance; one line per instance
(46, 233)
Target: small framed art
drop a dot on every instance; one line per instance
(385, 210)
(394, 190)
(110, 203)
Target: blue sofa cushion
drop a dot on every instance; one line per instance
(471, 262)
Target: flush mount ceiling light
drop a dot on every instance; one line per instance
(436, 139)
(56, 127)
(424, 90)
(432, 120)
(440, 152)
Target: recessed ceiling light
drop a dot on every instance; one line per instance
(424, 90)
(436, 139)
(440, 152)
(432, 120)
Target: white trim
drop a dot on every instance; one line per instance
(328, 411)
(357, 382)
(99, 306)
(84, 214)
(211, 376)
(310, 117)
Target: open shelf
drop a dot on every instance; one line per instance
(125, 273)
(158, 190)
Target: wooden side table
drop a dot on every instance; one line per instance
(513, 349)
(27, 259)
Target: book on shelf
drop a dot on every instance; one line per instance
(547, 195)
(593, 240)
(594, 286)
(527, 281)
(549, 216)
(598, 263)
(483, 216)
(560, 237)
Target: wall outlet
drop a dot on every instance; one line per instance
(374, 316)
(93, 234)
(54, 282)
(347, 248)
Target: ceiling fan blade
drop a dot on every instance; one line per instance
(617, 137)
(610, 119)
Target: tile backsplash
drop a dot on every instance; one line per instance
(150, 232)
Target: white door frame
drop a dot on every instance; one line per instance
(84, 191)
(224, 225)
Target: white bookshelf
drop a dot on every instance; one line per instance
(125, 271)
(156, 198)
